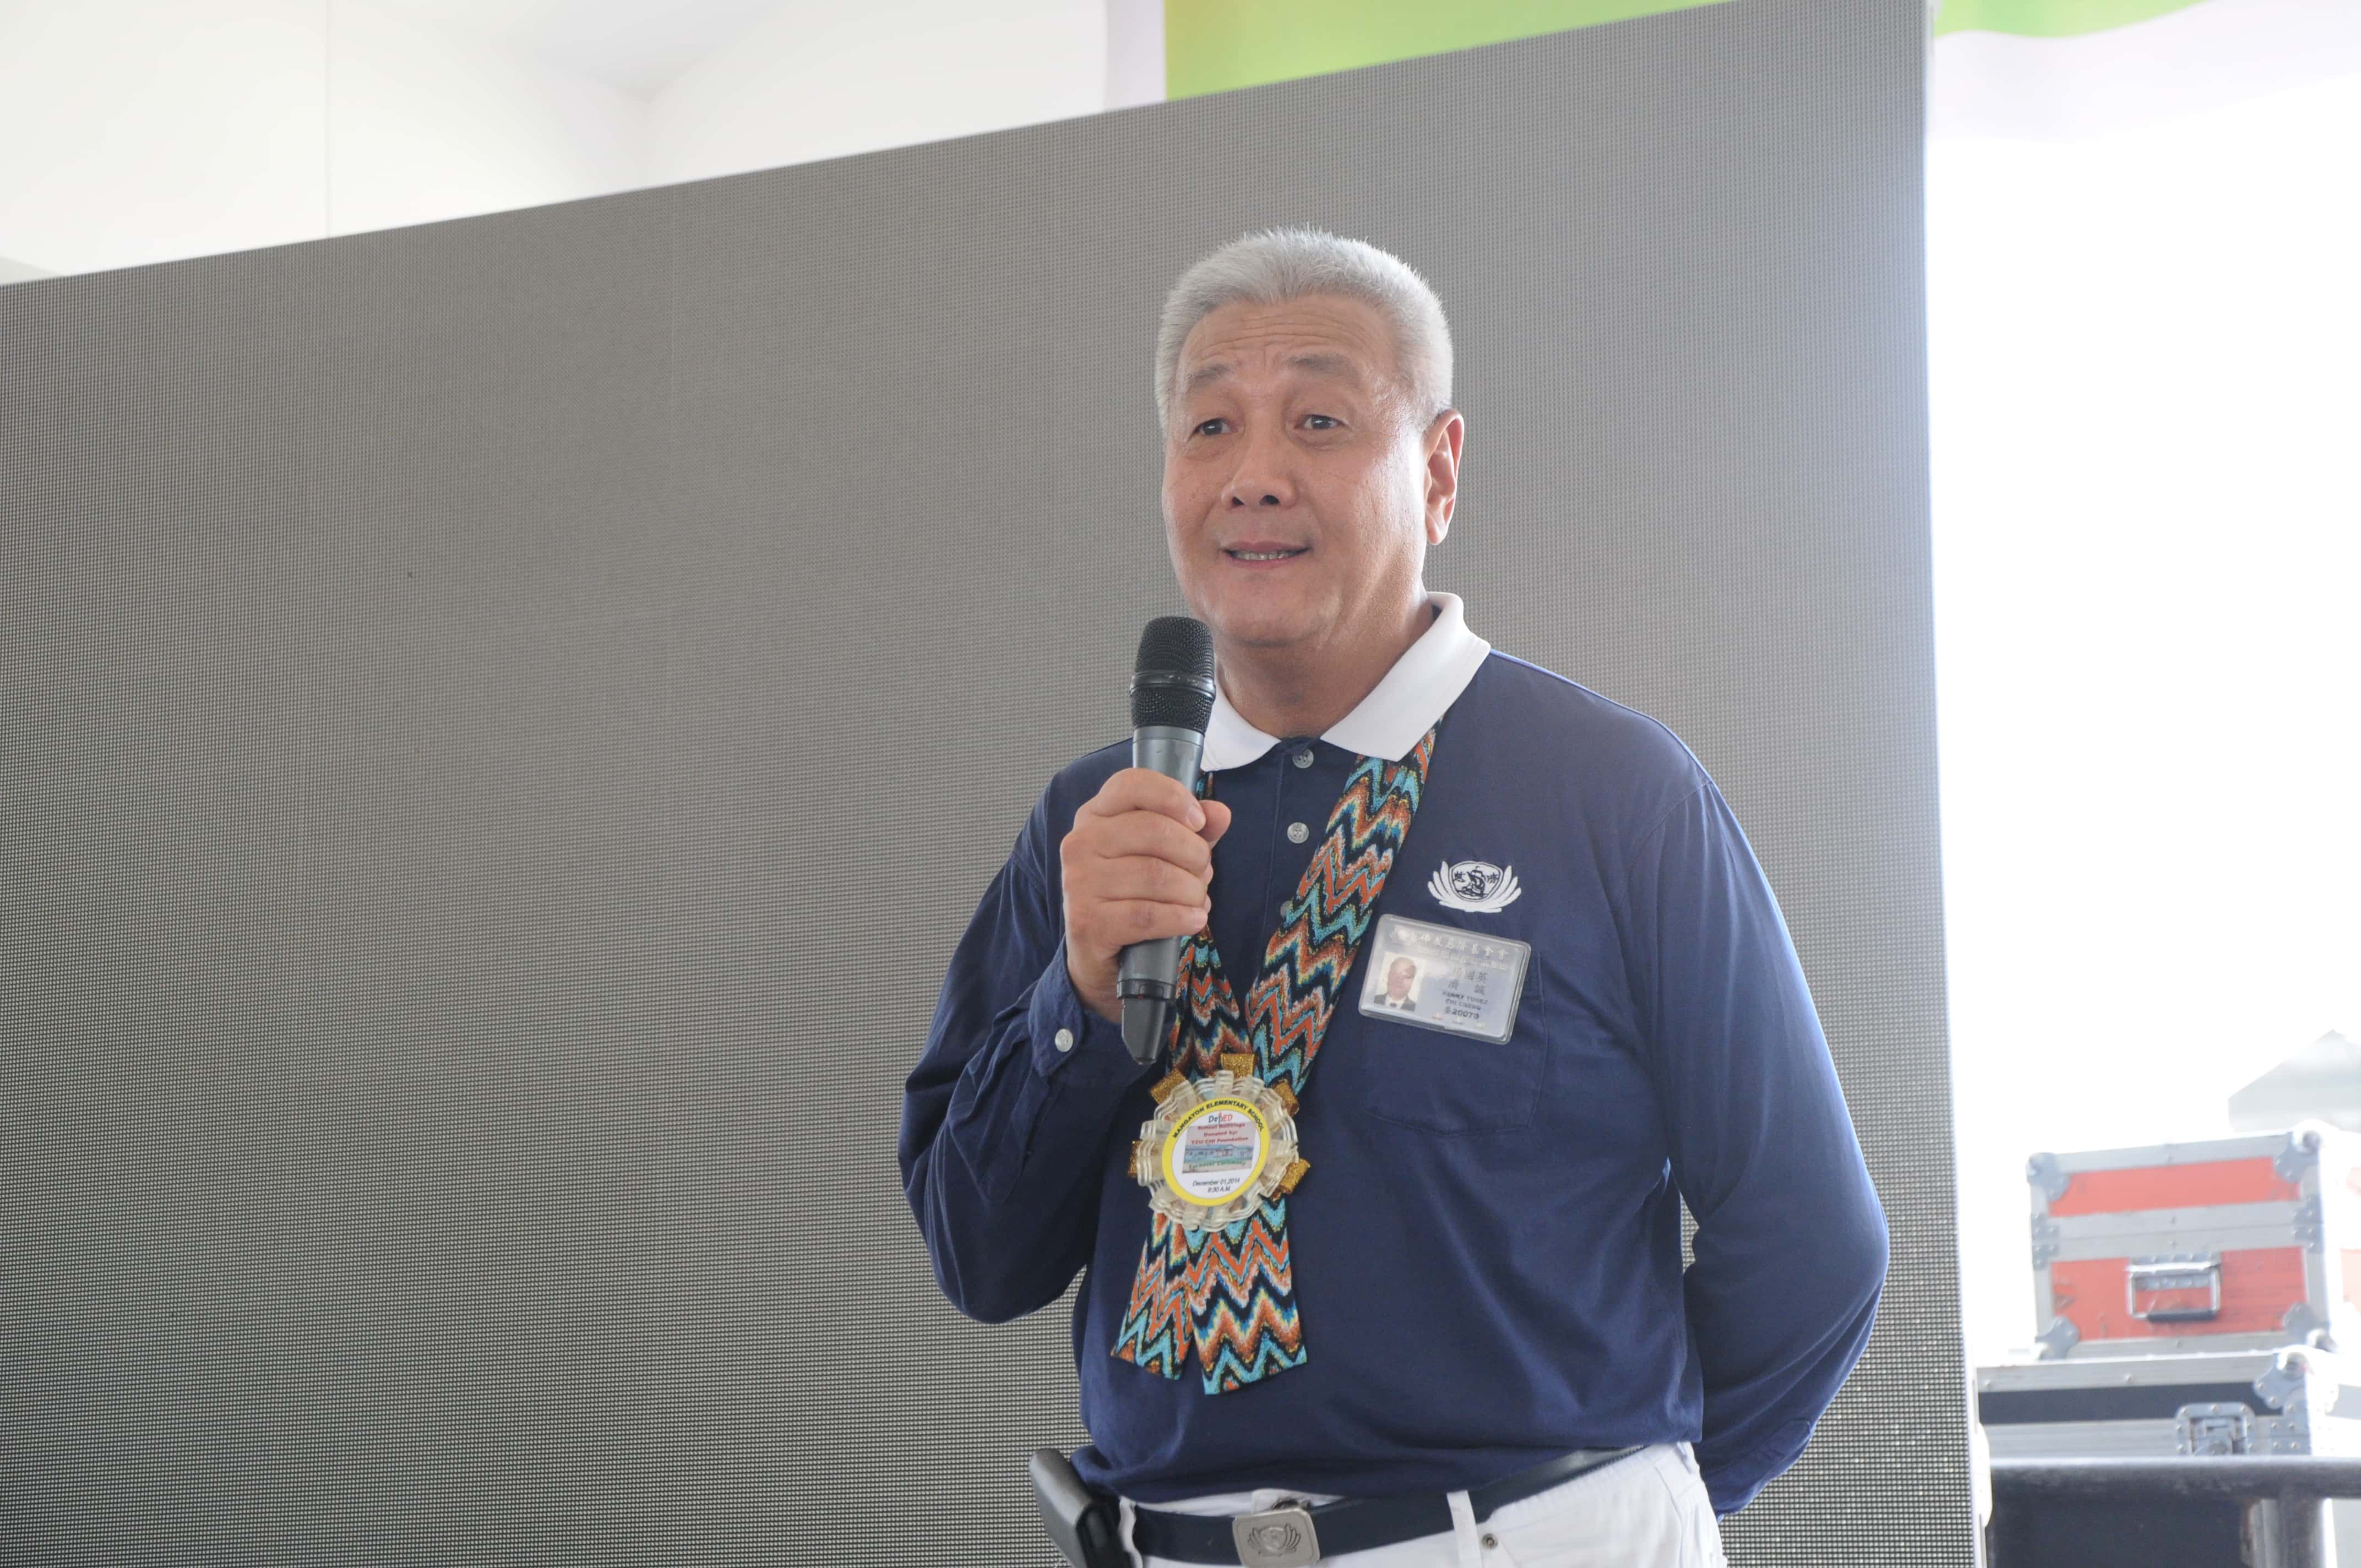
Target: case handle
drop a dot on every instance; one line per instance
(2182, 1289)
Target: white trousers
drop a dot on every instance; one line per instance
(1647, 1511)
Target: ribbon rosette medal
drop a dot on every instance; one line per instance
(1217, 1147)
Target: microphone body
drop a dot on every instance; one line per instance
(1171, 699)
(1147, 974)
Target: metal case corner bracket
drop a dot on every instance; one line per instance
(2302, 1152)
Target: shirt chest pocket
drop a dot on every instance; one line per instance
(1436, 1081)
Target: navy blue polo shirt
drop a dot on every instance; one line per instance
(1487, 1250)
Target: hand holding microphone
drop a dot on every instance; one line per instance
(1139, 859)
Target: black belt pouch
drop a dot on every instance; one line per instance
(1083, 1523)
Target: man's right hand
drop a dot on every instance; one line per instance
(1137, 866)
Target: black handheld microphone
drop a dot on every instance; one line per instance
(1172, 698)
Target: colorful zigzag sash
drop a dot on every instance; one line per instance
(1232, 1290)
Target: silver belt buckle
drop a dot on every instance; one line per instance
(1276, 1538)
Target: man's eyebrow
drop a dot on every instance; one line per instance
(1204, 375)
(1335, 365)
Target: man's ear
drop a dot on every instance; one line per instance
(1444, 438)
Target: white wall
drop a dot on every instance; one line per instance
(822, 81)
(146, 130)
(134, 130)
(425, 123)
(2146, 540)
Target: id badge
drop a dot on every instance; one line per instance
(1440, 977)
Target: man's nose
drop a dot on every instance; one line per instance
(1260, 479)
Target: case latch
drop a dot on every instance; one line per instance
(2207, 1430)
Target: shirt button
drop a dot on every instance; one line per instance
(1064, 1040)
(1303, 758)
(1491, 1543)
(1297, 832)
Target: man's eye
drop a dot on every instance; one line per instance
(1323, 421)
(1211, 427)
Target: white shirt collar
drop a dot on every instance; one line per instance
(1397, 712)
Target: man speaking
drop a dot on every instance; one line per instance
(1450, 1327)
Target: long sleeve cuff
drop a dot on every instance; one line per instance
(1072, 1046)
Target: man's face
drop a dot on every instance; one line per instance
(1397, 978)
(1301, 489)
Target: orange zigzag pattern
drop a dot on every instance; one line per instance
(1233, 1290)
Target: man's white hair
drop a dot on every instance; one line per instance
(1287, 264)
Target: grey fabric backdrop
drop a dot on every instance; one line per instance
(502, 722)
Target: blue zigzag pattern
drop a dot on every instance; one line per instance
(1229, 1294)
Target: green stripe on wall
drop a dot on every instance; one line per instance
(2047, 18)
(1212, 46)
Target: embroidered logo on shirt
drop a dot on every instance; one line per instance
(1478, 887)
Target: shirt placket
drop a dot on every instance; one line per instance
(1261, 861)
(1299, 817)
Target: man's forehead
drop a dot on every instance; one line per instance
(1322, 364)
(1317, 337)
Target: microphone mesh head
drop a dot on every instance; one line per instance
(1172, 682)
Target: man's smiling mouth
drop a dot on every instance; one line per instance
(1265, 552)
